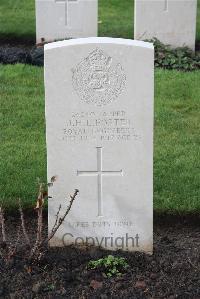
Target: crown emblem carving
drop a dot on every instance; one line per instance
(99, 61)
(98, 79)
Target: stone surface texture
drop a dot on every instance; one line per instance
(64, 19)
(173, 22)
(99, 128)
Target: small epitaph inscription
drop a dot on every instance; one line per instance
(99, 127)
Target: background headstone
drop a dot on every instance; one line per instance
(99, 126)
(173, 22)
(62, 19)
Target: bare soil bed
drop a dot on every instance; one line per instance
(173, 271)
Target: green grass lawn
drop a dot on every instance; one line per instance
(17, 19)
(22, 127)
(177, 141)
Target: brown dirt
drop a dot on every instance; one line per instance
(172, 272)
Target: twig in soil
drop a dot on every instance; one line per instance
(23, 223)
(39, 208)
(59, 221)
(189, 260)
(57, 218)
(39, 247)
(2, 222)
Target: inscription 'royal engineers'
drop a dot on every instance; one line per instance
(98, 79)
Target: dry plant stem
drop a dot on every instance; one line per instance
(38, 249)
(40, 202)
(40, 213)
(61, 219)
(189, 260)
(57, 217)
(38, 238)
(23, 224)
(40, 224)
(2, 222)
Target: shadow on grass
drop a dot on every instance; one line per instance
(197, 45)
(9, 39)
(15, 40)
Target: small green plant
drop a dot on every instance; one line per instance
(50, 287)
(181, 58)
(110, 265)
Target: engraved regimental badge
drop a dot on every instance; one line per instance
(98, 79)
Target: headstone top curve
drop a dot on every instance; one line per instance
(98, 40)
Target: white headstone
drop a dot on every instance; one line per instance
(63, 19)
(173, 22)
(99, 122)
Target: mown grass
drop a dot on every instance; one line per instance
(17, 19)
(22, 127)
(177, 141)
(116, 18)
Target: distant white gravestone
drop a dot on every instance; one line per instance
(173, 22)
(99, 126)
(62, 19)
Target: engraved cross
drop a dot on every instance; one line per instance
(166, 5)
(99, 173)
(66, 2)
